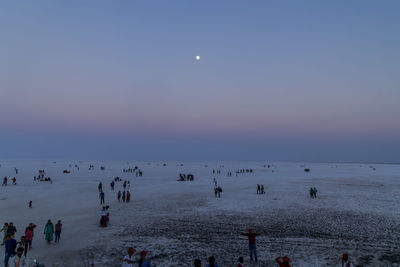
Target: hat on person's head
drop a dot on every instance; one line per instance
(345, 256)
(143, 253)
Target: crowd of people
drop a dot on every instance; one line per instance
(16, 251)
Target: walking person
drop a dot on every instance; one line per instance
(58, 231)
(4, 229)
(49, 232)
(252, 243)
(101, 198)
(10, 246)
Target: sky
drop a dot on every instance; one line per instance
(276, 80)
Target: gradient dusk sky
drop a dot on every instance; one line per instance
(277, 80)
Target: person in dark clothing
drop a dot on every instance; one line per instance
(123, 196)
(143, 262)
(119, 196)
(211, 261)
(101, 198)
(311, 192)
(262, 189)
(30, 204)
(11, 230)
(23, 244)
(197, 263)
(315, 192)
(58, 228)
(100, 187)
(252, 243)
(10, 246)
(258, 189)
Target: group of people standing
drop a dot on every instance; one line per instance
(313, 192)
(16, 252)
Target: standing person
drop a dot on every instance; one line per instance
(119, 196)
(216, 191)
(345, 261)
(10, 246)
(283, 261)
(103, 219)
(4, 181)
(219, 191)
(49, 232)
(240, 264)
(29, 236)
(311, 192)
(143, 262)
(262, 189)
(30, 204)
(315, 192)
(211, 261)
(11, 230)
(100, 187)
(123, 196)
(58, 231)
(4, 229)
(19, 260)
(128, 196)
(252, 243)
(24, 244)
(128, 259)
(101, 198)
(197, 263)
(258, 189)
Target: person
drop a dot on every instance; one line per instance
(252, 243)
(211, 261)
(19, 260)
(48, 232)
(29, 236)
(100, 187)
(315, 192)
(14, 180)
(240, 264)
(128, 196)
(22, 243)
(4, 181)
(103, 219)
(311, 192)
(31, 227)
(216, 191)
(58, 231)
(283, 261)
(143, 262)
(262, 189)
(11, 230)
(219, 191)
(112, 185)
(4, 229)
(123, 196)
(30, 204)
(10, 246)
(345, 261)
(101, 198)
(258, 189)
(128, 259)
(197, 263)
(119, 196)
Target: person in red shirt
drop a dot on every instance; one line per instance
(283, 261)
(252, 243)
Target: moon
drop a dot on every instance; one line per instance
(197, 57)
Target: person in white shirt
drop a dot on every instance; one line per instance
(128, 259)
(19, 259)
